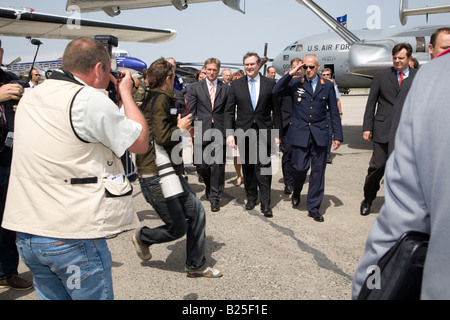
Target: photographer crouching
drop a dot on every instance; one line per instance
(161, 180)
(67, 191)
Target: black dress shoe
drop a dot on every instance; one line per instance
(316, 216)
(295, 199)
(250, 205)
(288, 189)
(365, 207)
(267, 212)
(215, 207)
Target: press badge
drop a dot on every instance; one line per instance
(173, 111)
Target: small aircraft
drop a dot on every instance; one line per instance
(124, 62)
(354, 57)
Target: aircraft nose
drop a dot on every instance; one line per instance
(281, 63)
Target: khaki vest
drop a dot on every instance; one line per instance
(58, 186)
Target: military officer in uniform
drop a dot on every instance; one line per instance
(308, 130)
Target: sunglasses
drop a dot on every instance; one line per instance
(311, 67)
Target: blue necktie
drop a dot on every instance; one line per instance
(311, 84)
(253, 93)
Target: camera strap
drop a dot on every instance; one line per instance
(65, 76)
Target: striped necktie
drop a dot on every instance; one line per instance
(212, 94)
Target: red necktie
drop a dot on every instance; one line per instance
(401, 78)
(212, 94)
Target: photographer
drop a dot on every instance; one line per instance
(160, 178)
(9, 257)
(67, 190)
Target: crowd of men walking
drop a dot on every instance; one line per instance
(63, 186)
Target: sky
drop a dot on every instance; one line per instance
(213, 30)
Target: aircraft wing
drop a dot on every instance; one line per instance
(113, 8)
(21, 23)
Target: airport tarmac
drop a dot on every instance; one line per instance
(287, 257)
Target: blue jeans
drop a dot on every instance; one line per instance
(182, 215)
(68, 269)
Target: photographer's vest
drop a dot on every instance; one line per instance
(58, 185)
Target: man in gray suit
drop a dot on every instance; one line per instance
(377, 118)
(206, 101)
(417, 182)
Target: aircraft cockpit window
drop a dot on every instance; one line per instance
(299, 48)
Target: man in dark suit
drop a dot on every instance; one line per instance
(378, 118)
(252, 100)
(285, 147)
(206, 101)
(308, 131)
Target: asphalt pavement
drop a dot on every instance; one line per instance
(287, 257)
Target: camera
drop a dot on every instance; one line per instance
(170, 182)
(24, 85)
(113, 94)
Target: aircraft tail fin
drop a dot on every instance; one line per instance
(343, 32)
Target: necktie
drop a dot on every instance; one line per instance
(311, 84)
(253, 93)
(401, 78)
(212, 94)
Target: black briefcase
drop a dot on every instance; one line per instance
(400, 270)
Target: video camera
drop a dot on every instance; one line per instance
(109, 41)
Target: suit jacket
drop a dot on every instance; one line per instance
(380, 104)
(286, 111)
(239, 113)
(398, 107)
(199, 105)
(417, 182)
(309, 110)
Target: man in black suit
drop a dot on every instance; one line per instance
(206, 101)
(378, 117)
(252, 100)
(285, 147)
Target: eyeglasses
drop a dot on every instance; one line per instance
(311, 67)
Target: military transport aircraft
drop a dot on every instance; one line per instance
(354, 57)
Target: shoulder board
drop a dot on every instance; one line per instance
(303, 80)
(322, 82)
